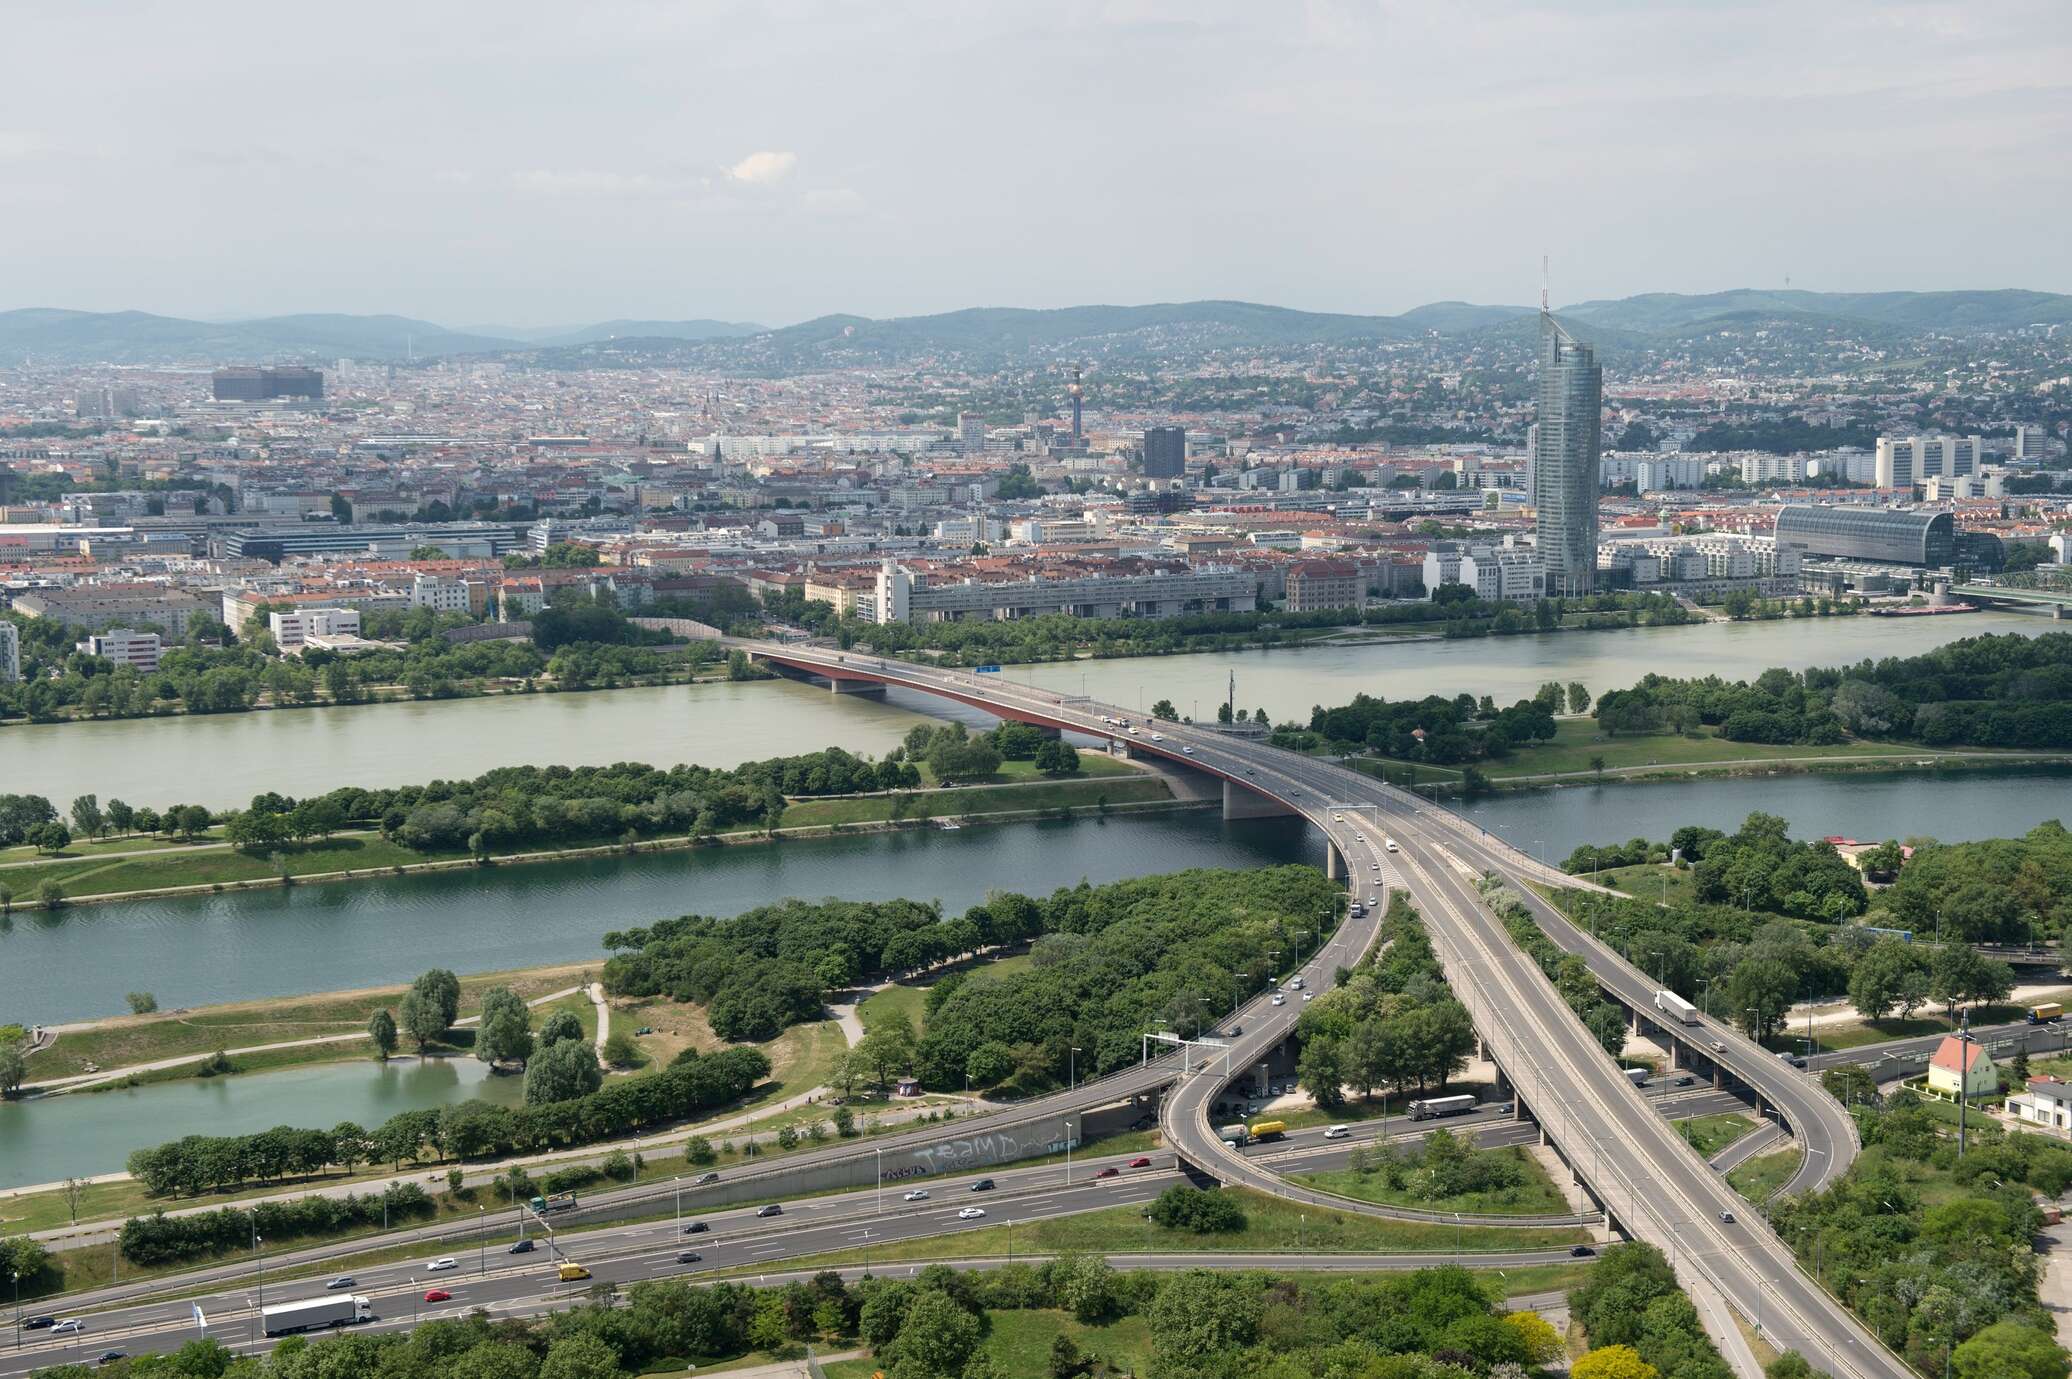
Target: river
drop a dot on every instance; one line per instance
(223, 760)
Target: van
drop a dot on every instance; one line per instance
(1390, 844)
(1336, 1132)
(570, 1271)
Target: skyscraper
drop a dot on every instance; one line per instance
(1565, 470)
(1077, 395)
(1165, 452)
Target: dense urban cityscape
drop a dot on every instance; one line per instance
(819, 828)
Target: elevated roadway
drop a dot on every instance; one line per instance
(1647, 1178)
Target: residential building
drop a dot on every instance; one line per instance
(440, 595)
(1565, 460)
(125, 647)
(1904, 461)
(2046, 1102)
(2030, 442)
(264, 385)
(10, 653)
(1165, 452)
(1130, 589)
(1979, 1076)
(98, 609)
(1493, 572)
(1314, 585)
(1659, 473)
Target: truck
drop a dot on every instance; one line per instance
(1269, 1129)
(1429, 1107)
(342, 1309)
(1676, 1007)
(1637, 1076)
(570, 1271)
(2047, 1012)
(560, 1201)
(1239, 1133)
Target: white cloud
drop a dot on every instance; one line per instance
(764, 167)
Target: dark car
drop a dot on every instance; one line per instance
(1686, 1080)
(1582, 1252)
(689, 1257)
(523, 1247)
(703, 1178)
(39, 1323)
(982, 1185)
(1236, 1030)
(109, 1357)
(772, 1210)
(1109, 1173)
(1140, 1162)
(696, 1228)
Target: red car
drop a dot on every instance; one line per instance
(438, 1295)
(1140, 1162)
(1109, 1173)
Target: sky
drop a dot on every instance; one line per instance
(539, 164)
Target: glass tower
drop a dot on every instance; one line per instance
(1565, 466)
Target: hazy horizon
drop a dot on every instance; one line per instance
(536, 166)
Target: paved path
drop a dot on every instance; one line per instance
(54, 1085)
(604, 1017)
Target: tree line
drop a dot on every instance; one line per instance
(159, 1239)
(1758, 866)
(1435, 729)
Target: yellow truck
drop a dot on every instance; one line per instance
(571, 1271)
(1269, 1129)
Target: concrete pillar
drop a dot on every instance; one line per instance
(856, 686)
(1334, 862)
(1240, 803)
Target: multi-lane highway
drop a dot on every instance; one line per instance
(488, 1276)
(1646, 1176)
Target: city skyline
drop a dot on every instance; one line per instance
(782, 164)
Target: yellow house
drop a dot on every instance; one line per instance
(1979, 1077)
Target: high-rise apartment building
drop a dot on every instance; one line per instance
(1165, 452)
(10, 652)
(263, 385)
(1565, 459)
(1904, 461)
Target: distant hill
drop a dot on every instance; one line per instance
(982, 335)
(137, 337)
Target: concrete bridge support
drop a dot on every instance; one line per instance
(1334, 861)
(856, 686)
(1240, 803)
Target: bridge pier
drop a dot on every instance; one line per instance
(1334, 861)
(856, 686)
(1240, 803)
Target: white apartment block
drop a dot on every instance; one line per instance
(439, 595)
(1660, 473)
(1773, 469)
(1905, 461)
(1160, 594)
(125, 647)
(10, 652)
(292, 631)
(970, 531)
(1493, 572)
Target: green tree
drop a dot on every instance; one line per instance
(381, 1028)
(14, 1066)
(421, 1020)
(505, 1032)
(87, 816)
(562, 1073)
(1760, 991)
(142, 1002)
(580, 1355)
(1850, 1084)
(2010, 1350)
(1197, 1319)
(1164, 709)
(619, 1049)
(1578, 697)
(562, 1024)
(1321, 1071)
(1790, 1365)
(936, 1339)
(443, 988)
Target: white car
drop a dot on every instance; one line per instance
(1188, 750)
(919, 1194)
(1390, 844)
(1336, 1132)
(442, 1264)
(1158, 737)
(70, 1326)
(1309, 995)
(1338, 818)
(1279, 999)
(971, 1213)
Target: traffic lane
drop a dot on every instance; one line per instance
(2050, 1037)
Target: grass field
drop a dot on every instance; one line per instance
(1854, 1034)
(1271, 1225)
(1535, 1196)
(947, 804)
(1578, 740)
(1710, 1134)
(1648, 881)
(1761, 1176)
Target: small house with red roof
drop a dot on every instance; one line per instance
(1978, 1076)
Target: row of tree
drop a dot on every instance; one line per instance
(160, 1239)
(1438, 729)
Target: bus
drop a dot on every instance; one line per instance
(1441, 1106)
(1269, 1129)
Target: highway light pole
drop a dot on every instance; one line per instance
(879, 1191)
(677, 1183)
(1072, 1079)
(481, 1242)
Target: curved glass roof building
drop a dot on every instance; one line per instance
(1887, 535)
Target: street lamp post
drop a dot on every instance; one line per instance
(879, 1191)
(481, 1242)
(677, 1184)
(1072, 1081)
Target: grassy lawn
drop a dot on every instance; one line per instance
(131, 1039)
(1761, 1176)
(1020, 1342)
(1091, 763)
(1855, 1034)
(1710, 1134)
(897, 999)
(1408, 774)
(1535, 1196)
(1648, 881)
(175, 867)
(1577, 740)
(101, 847)
(1271, 1224)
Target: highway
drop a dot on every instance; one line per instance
(735, 1239)
(1648, 1178)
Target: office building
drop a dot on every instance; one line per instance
(10, 653)
(2029, 442)
(1904, 461)
(971, 432)
(293, 631)
(1891, 536)
(1165, 452)
(266, 385)
(1565, 460)
(1078, 395)
(125, 647)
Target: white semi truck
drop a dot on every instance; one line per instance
(1676, 1007)
(343, 1309)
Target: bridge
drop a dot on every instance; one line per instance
(2057, 600)
(1645, 1177)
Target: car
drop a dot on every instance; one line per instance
(437, 1295)
(523, 1247)
(971, 1213)
(1581, 1252)
(342, 1281)
(982, 1185)
(1189, 751)
(1140, 1162)
(1686, 1080)
(645, 1029)
(689, 1257)
(1338, 818)
(70, 1326)
(1718, 1046)
(771, 1210)
(1374, 866)
(1390, 844)
(1227, 1144)
(1336, 1132)
(919, 1194)
(1109, 1172)
(696, 1228)
(1236, 1030)
(1279, 999)
(1726, 1218)
(442, 1264)
(1250, 772)
(109, 1357)
(39, 1323)
(703, 1178)
(1309, 995)
(1158, 737)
